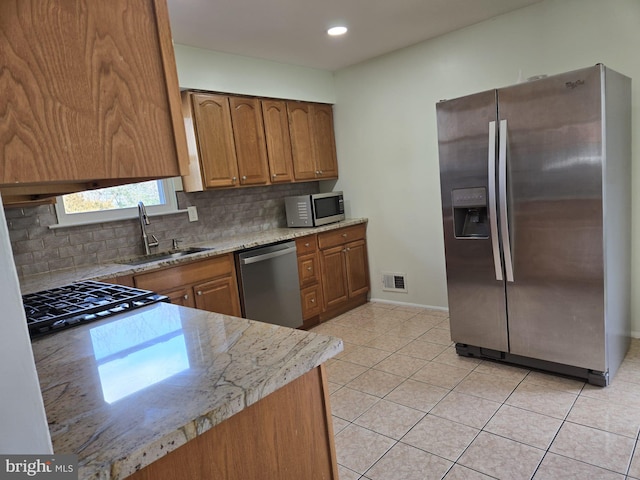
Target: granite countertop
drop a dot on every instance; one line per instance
(125, 391)
(36, 283)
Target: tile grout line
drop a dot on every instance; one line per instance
(564, 420)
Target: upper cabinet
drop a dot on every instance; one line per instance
(226, 141)
(276, 132)
(243, 141)
(90, 96)
(212, 120)
(251, 151)
(312, 141)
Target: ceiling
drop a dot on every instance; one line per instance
(294, 31)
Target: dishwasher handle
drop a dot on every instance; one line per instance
(267, 256)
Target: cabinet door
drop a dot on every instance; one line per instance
(355, 255)
(214, 134)
(334, 276)
(324, 143)
(248, 134)
(276, 131)
(220, 295)
(89, 93)
(181, 296)
(301, 131)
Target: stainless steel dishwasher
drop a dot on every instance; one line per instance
(269, 286)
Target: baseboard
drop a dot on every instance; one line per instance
(407, 304)
(635, 334)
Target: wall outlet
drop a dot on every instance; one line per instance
(193, 214)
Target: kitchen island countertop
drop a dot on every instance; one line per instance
(107, 270)
(125, 391)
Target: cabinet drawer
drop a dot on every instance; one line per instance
(311, 299)
(341, 236)
(173, 277)
(308, 269)
(308, 244)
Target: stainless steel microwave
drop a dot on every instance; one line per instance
(315, 209)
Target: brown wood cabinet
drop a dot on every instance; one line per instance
(226, 141)
(90, 96)
(344, 269)
(288, 435)
(310, 283)
(208, 284)
(126, 280)
(248, 133)
(312, 141)
(242, 141)
(216, 148)
(276, 131)
(219, 295)
(182, 296)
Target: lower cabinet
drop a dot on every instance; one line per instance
(126, 280)
(344, 269)
(219, 295)
(309, 275)
(334, 273)
(333, 270)
(181, 296)
(208, 284)
(288, 435)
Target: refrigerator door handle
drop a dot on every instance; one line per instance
(493, 214)
(502, 185)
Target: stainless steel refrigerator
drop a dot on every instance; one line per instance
(536, 205)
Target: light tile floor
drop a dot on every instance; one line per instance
(406, 407)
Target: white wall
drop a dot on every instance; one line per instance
(386, 125)
(23, 424)
(222, 72)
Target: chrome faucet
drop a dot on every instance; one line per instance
(144, 221)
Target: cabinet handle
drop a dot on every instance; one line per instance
(321, 172)
(309, 269)
(244, 177)
(199, 292)
(233, 179)
(307, 244)
(274, 175)
(344, 235)
(186, 297)
(348, 249)
(313, 300)
(317, 172)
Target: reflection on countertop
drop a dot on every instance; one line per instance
(36, 283)
(123, 392)
(136, 352)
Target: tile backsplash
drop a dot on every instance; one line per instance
(221, 213)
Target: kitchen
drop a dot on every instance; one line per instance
(386, 176)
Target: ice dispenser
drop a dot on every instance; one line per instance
(470, 212)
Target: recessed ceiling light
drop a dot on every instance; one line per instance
(335, 31)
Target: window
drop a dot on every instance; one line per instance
(116, 203)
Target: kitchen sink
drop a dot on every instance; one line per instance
(155, 257)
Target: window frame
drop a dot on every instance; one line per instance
(169, 188)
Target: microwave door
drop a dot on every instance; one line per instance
(328, 209)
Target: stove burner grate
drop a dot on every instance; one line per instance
(51, 310)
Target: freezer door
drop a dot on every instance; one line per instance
(466, 139)
(553, 142)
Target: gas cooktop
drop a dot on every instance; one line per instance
(51, 310)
